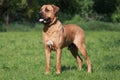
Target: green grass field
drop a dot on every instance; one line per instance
(22, 57)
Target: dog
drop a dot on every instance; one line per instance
(57, 36)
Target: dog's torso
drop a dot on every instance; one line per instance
(72, 31)
(59, 36)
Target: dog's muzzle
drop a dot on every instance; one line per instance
(44, 20)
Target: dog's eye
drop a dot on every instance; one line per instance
(46, 10)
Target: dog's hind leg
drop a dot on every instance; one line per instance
(74, 50)
(81, 46)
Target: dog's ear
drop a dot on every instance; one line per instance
(56, 9)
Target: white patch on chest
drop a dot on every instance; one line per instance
(50, 43)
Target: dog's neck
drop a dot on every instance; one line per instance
(54, 21)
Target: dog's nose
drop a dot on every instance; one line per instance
(40, 14)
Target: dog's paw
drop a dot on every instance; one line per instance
(58, 72)
(46, 73)
(89, 71)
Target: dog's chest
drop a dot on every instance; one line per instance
(51, 33)
(53, 36)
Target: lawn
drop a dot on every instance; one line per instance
(22, 57)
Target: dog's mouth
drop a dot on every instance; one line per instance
(45, 21)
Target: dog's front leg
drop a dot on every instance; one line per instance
(58, 63)
(47, 53)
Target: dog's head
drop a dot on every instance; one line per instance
(48, 13)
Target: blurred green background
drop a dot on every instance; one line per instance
(22, 15)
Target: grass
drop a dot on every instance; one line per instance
(22, 57)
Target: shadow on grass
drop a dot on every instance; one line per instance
(65, 68)
(109, 67)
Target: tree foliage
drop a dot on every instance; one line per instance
(26, 10)
(116, 15)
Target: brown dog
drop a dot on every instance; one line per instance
(56, 36)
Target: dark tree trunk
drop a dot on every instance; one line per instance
(7, 21)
